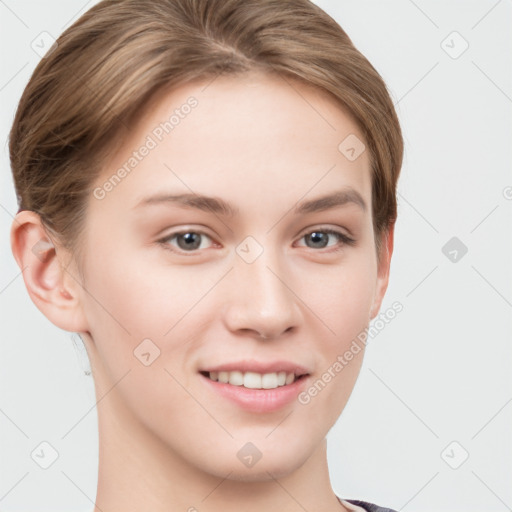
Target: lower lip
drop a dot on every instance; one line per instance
(258, 400)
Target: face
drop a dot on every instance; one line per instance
(224, 309)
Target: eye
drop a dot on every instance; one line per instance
(186, 241)
(192, 241)
(319, 239)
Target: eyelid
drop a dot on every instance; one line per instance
(324, 228)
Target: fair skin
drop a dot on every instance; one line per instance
(168, 439)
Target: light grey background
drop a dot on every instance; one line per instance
(439, 373)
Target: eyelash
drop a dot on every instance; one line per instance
(345, 240)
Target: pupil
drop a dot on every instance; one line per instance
(317, 238)
(192, 240)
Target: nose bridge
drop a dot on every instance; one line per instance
(262, 300)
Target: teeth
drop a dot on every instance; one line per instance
(253, 380)
(269, 381)
(236, 378)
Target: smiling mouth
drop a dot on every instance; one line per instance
(254, 380)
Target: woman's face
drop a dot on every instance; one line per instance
(210, 257)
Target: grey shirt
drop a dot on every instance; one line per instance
(369, 507)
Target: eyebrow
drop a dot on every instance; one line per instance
(221, 207)
(199, 202)
(338, 198)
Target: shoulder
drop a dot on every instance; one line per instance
(366, 506)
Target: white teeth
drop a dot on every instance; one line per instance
(253, 380)
(236, 378)
(269, 381)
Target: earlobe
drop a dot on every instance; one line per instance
(383, 267)
(54, 293)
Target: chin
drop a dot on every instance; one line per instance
(273, 464)
(260, 473)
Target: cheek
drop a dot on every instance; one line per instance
(130, 301)
(348, 310)
(139, 297)
(345, 310)
(135, 309)
(345, 299)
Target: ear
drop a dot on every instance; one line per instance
(383, 266)
(53, 288)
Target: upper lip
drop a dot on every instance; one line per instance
(259, 367)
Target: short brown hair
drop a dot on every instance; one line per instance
(109, 63)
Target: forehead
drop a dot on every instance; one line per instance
(247, 137)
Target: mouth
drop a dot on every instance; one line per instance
(256, 387)
(254, 380)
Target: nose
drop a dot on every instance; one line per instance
(261, 300)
